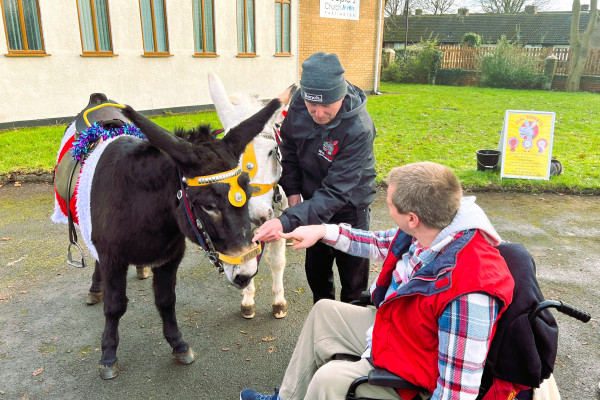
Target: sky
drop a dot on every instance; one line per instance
(562, 5)
(553, 5)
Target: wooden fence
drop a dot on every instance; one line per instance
(467, 58)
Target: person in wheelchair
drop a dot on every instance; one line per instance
(442, 288)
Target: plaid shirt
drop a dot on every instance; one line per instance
(465, 326)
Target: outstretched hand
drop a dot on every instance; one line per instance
(269, 231)
(305, 236)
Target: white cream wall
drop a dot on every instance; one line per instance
(59, 85)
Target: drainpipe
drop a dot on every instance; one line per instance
(297, 79)
(378, 49)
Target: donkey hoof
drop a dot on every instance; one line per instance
(248, 311)
(109, 371)
(187, 357)
(142, 272)
(279, 310)
(93, 298)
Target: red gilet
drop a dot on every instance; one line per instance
(405, 335)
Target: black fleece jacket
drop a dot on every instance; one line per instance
(332, 166)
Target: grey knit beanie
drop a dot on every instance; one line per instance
(322, 79)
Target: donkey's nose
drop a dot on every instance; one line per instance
(264, 218)
(242, 280)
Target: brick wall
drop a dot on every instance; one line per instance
(355, 42)
(587, 83)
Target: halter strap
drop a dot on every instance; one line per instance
(250, 166)
(249, 160)
(262, 188)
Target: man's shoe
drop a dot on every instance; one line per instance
(249, 394)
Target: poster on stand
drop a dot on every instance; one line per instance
(526, 144)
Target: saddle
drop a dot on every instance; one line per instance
(67, 170)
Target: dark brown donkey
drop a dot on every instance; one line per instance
(143, 198)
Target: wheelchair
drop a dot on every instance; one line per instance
(522, 267)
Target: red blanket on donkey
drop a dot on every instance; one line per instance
(62, 203)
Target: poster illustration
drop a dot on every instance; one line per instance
(526, 144)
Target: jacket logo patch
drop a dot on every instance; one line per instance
(313, 97)
(329, 150)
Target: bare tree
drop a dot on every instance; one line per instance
(510, 6)
(580, 45)
(393, 7)
(434, 6)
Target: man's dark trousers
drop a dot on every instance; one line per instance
(353, 271)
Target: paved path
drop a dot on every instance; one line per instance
(49, 340)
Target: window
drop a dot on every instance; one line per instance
(204, 27)
(154, 27)
(282, 26)
(245, 27)
(23, 27)
(94, 27)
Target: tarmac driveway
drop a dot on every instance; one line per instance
(49, 339)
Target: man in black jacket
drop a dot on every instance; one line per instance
(328, 171)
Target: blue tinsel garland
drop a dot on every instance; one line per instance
(95, 132)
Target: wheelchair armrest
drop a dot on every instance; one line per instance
(363, 300)
(383, 377)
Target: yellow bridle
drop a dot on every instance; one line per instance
(236, 195)
(250, 166)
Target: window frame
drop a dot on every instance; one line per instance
(246, 53)
(96, 53)
(26, 51)
(283, 53)
(202, 12)
(155, 53)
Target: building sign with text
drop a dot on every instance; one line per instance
(526, 144)
(340, 9)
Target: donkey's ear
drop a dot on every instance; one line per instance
(239, 136)
(165, 141)
(218, 94)
(287, 94)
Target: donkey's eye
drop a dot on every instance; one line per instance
(274, 153)
(210, 209)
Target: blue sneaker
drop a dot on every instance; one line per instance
(249, 394)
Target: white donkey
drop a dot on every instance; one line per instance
(261, 161)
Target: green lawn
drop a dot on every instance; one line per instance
(414, 123)
(448, 124)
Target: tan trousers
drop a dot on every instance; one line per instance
(332, 327)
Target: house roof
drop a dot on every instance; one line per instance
(545, 28)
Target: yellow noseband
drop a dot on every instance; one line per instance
(247, 256)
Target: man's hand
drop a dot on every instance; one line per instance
(269, 231)
(294, 199)
(305, 236)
